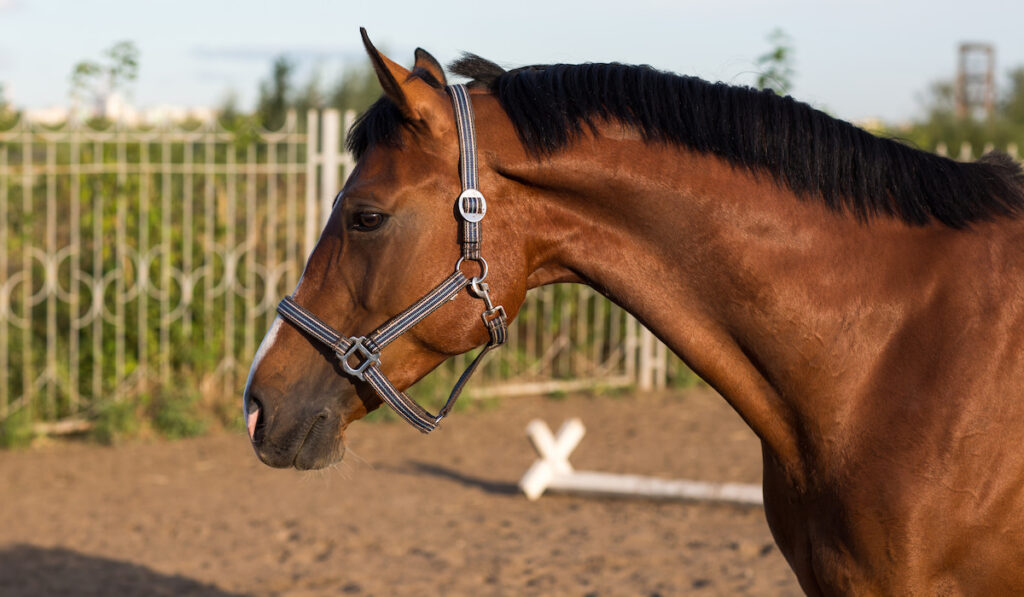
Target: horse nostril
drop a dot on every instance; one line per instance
(254, 419)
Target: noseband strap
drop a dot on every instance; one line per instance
(360, 356)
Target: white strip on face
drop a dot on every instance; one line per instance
(268, 341)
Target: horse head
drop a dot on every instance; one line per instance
(393, 234)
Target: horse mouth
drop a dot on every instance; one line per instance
(321, 446)
(318, 444)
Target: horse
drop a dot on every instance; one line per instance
(857, 301)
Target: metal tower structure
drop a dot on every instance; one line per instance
(975, 80)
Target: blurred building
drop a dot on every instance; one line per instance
(116, 108)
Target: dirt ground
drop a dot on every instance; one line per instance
(410, 515)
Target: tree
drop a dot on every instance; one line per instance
(356, 90)
(1012, 105)
(7, 115)
(97, 80)
(275, 94)
(775, 67)
(311, 96)
(245, 126)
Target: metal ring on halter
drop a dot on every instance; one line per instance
(483, 266)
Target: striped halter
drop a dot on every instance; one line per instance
(360, 356)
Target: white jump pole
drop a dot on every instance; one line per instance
(553, 472)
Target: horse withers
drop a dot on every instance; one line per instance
(858, 302)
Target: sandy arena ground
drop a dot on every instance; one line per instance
(410, 515)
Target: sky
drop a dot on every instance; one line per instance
(857, 59)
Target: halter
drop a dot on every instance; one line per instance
(360, 356)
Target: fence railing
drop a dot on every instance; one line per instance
(966, 151)
(140, 261)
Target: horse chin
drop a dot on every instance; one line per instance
(323, 446)
(309, 459)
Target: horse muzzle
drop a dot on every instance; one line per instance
(307, 439)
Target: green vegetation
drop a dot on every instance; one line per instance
(941, 124)
(170, 414)
(16, 430)
(775, 67)
(176, 415)
(681, 376)
(356, 89)
(275, 95)
(94, 81)
(115, 421)
(8, 116)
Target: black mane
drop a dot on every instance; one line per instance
(813, 154)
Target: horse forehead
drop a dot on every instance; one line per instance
(390, 171)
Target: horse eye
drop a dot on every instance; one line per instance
(366, 221)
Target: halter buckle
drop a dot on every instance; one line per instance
(369, 357)
(472, 205)
(493, 313)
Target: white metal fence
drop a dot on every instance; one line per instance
(138, 261)
(967, 152)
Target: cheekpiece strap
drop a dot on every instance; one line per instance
(472, 205)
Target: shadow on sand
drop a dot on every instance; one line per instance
(29, 571)
(425, 468)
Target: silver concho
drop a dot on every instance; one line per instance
(472, 216)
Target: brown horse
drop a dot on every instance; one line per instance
(858, 302)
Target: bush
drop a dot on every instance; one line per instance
(16, 430)
(114, 422)
(176, 417)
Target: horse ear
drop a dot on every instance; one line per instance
(430, 64)
(417, 99)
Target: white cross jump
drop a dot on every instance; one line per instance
(552, 471)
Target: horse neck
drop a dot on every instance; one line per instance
(734, 273)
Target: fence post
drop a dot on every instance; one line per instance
(312, 159)
(661, 365)
(966, 151)
(648, 361)
(631, 346)
(332, 162)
